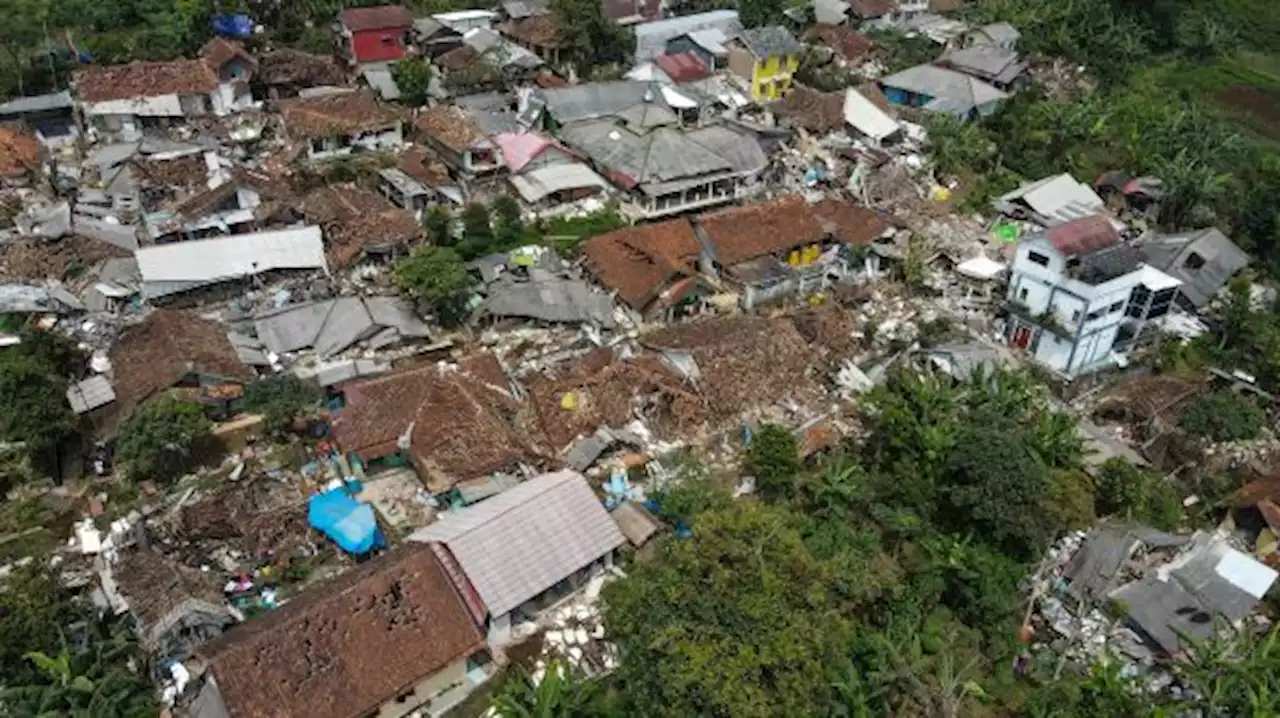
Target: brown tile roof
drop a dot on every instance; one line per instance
(848, 43)
(639, 262)
(460, 425)
(101, 83)
(167, 345)
(608, 392)
(451, 126)
(329, 115)
(379, 17)
(155, 585)
(219, 51)
(744, 233)
(187, 172)
(819, 112)
(849, 223)
(343, 649)
(745, 363)
(19, 152)
(294, 67)
(538, 31)
(424, 167)
(203, 203)
(459, 58)
(1084, 235)
(24, 258)
(340, 202)
(346, 241)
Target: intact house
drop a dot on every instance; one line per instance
(538, 34)
(461, 138)
(450, 422)
(520, 552)
(175, 351)
(389, 638)
(938, 89)
(1203, 260)
(125, 99)
(765, 58)
(339, 123)
(652, 268)
(373, 34)
(549, 178)
(787, 246)
(662, 169)
(1078, 295)
(704, 34)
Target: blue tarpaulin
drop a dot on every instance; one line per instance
(238, 25)
(348, 522)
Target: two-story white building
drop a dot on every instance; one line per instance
(1078, 294)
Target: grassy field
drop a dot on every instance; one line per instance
(1244, 87)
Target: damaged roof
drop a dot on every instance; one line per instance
(548, 299)
(456, 418)
(744, 363)
(452, 126)
(817, 112)
(847, 43)
(347, 647)
(1083, 236)
(639, 262)
(103, 83)
(349, 240)
(180, 266)
(332, 325)
(168, 345)
(771, 41)
(424, 167)
(219, 51)
(287, 66)
(339, 113)
(527, 539)
(656, 157)
(537, 30)
(1204, 260)
(29, 258)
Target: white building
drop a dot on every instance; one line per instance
(1078, 294)
(124, 99)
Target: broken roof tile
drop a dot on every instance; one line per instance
(638, 262)
(849, 44)
(294, 67)
(743, 233)
(817, 112)
(219, 51)
(348, 240)
(538, 31)
(452, 126)
(19, 152)
(339, 113)
(167, 346)
(103, 83)
(423, 166)
(1084, 235)
(379, 17)
(347, 647)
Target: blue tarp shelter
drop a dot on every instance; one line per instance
(238, 25)
(348, 522)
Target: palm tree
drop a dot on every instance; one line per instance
(560, 694)
(99, 684)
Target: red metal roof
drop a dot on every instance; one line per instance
(379, 17)
(683, 67)
(1084, 235)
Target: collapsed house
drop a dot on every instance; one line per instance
(652, 268)
(452, 423)
(125, 99)
(1203, 260)
(173, 269)
(331, 326)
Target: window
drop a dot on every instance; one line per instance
(1022, 294)
(1115, 307)
(1097, 314)
(1075, 315)
(1194, 261)
(1037, 258)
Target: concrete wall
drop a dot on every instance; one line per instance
(426, 689)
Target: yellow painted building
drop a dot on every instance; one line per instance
(766, 57)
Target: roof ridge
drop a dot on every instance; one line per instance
(563, 475)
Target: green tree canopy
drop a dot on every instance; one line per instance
(413, 77)
(773, 458)
(740, 620)
(1223, 416)
(280, 399)
(163, 438)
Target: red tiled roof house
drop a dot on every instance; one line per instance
(786, 246)
(374, 34)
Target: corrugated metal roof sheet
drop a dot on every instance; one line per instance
(950, 91)
(535, 185)
(89, 394)
(652, 37)
(1084, 235)
(527, 539)
(866, 118)
(180, 265)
